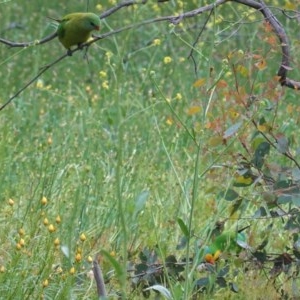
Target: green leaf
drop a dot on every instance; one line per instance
(234, 287)
(183, 227)
(296, 174)
(202, 282)
(228, 195)
(261, 151)
(282, 144)
(161, 289)
(182, 243)
(236, 206)
(244, 180)
(261, 212)
(224, 271)
(118, 268)
(295, 288)
(256, 141)
(141, 268)
(284, 199)
(221, 281)
(283, 184)
(296, 200)
(140, 201)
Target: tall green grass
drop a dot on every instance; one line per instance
(105, 154)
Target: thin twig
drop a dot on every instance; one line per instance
(119, 6)
(197, 40)
(43, 70)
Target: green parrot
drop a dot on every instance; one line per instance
(76, 28)
(225, 242)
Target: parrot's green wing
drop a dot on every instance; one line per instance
(61, 29)
(76, 28)
(228, 241)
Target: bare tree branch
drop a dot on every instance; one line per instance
(28, 44)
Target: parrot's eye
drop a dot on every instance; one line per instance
(93, 24)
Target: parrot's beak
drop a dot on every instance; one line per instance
(97, 28)
(209, 259)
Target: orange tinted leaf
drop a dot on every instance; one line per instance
(222, 84)
(199, 82)
(277, 78)
(268, 27)
(208, 125)
(257, 56)
(193, 110)
(260, 65)
(272, 40)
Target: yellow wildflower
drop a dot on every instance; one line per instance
(167, 59)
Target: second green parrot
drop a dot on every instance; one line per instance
(76, 28)
(226, 242)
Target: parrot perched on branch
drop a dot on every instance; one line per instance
(225, 242)
(76, 28)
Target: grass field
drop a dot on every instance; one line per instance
(123, 153)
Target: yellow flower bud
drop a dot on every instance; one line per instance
(78, 257)
(82, 237)
(51, 228)
(45, 283)
(167, 59)
(56, 242)
(58, 219)
(44, 201)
